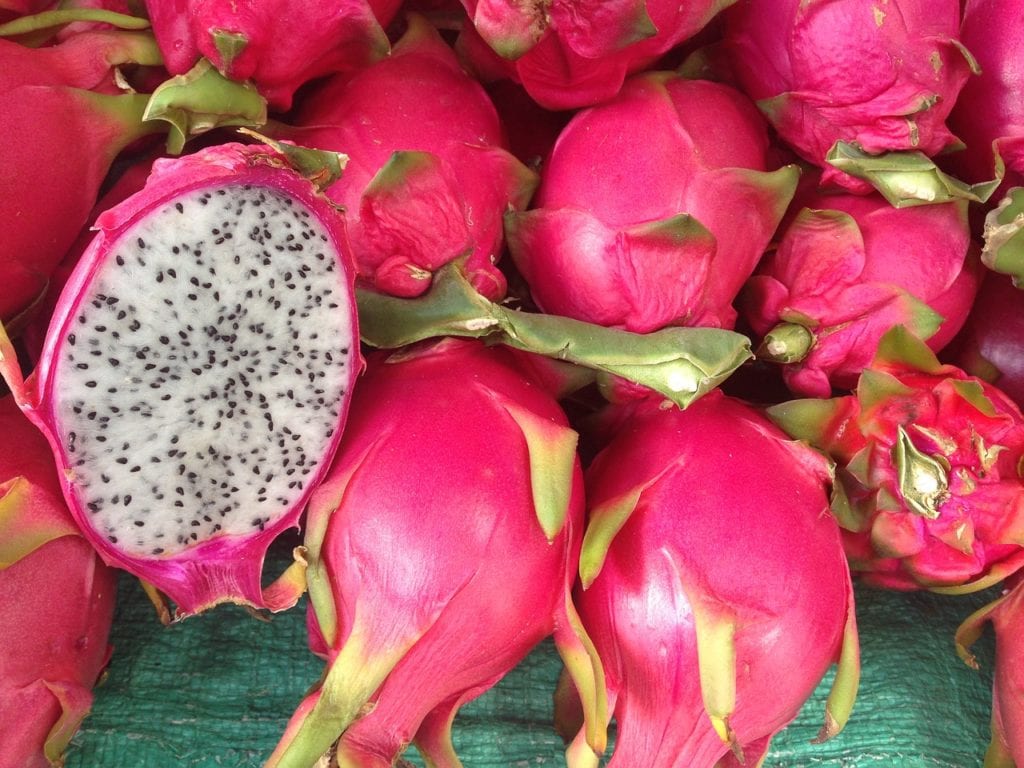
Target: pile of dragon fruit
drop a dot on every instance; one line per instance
(587, 321)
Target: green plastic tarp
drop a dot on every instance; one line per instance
(216, 691)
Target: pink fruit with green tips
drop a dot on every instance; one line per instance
(929, 486)
(442, 549)
(49, 659)
(664, 231)
(989, 114)
(717, 605)
(1006, 616)
(429, 175)
(827, 294)
(883, 77)
(568, 54)
(59, 111)
(277, 45)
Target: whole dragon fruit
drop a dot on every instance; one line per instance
(846, 270)
(1006, 615)
(717, 607)
(276, 44)
(195, 378)
(991, 343)
(664, 231)
(881, 76)
(929, 486)
(569, 54)
(989, 114)
(56, 604)
(429, 176)
(442, 548)
(61, 127)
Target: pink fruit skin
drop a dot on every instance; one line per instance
(226, 568)
(50, 661)
(432, 489)
(967, 426)
(834, 272)
(884, 77)
(989, 110)
(756, 547)
(12, 9)
(569, 54)
(131, 180)
(991, 344)
(61, 132)
(287, 44)
(604, 241)
(442, 197)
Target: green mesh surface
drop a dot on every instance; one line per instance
(217, 690)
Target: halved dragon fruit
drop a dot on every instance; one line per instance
(442, 547)
(929, 485)
(714, 586)
(831, 289)
(195, 378)
(56, 604)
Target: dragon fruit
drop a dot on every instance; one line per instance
(57, 112)
(569, 54)
(989, 114)
(828, 293)
(640, 235)
(129, 181)
(883, 77)
(442, 547)
(195, 378)
(1006, 615)
(276, 44)
(429, 175)
(991, 343)
(929, 488)
(716, 608)
(49, 659)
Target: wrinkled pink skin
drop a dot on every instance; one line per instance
(288, 45)
(989, 109)
(975, 538)
(226, 568)
(851, 70)
(49, 660)
(579, 53)
(585, 247)
(409, 552)
(839, 277)
(59, 142)
(757, 543)
(407, 222)
(991, 343)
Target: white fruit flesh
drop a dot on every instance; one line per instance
(203, 371)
